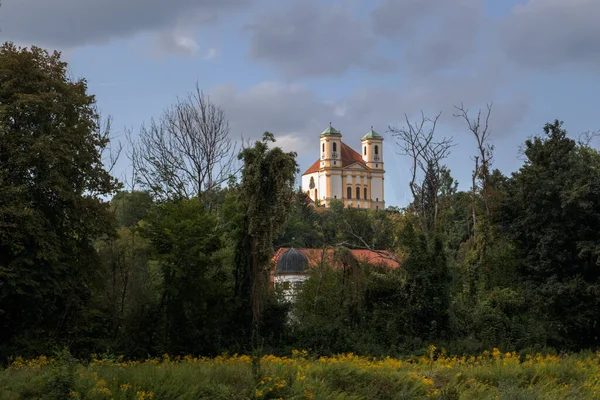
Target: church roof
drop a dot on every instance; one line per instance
(372, 135)
(349, 157)
(331, 131)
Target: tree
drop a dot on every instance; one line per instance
(187, 152)
(266, 193)
(196, 285)
(426, 171)
(483, 160)
(52, 182)
(553, 216)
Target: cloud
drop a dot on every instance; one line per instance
(297, 115)
(73, 23)
(284, 109)
(432, 34)
(553, 33)
(179, 41)
(311, 38)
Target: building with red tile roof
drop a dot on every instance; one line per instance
(341, 173)
(316, 257)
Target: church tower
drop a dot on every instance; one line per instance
(372, 149)
(331, 147)
(372, 154)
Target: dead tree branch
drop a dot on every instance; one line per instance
(417, 141)
(188, 151)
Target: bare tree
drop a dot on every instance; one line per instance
(481, 130)
(586, 138)
(417, 141)
(187, 152)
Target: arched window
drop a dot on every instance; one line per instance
(311, 185)
(365, 151)
(323, 146)
(358, 193)
(376, 149)
(349, 192)
(334, 146)
(316, 195)
(365, 193)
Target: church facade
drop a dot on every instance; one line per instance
(341, 173)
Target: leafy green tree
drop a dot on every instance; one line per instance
(553, 216)
(52, 182)
(265, 199)
(196, 292)
(427, 285)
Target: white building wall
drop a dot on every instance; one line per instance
(322, 186)
(290, 285)
(377, 188)
(306, 184)
(336, 186)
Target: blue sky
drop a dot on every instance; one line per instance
(292, 66)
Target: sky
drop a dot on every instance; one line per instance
(293, 66)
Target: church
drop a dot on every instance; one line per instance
(344, 174)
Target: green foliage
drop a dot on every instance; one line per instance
(553, 215)
(52, 182)
(511, 263)
(189, 247)
(265, 199)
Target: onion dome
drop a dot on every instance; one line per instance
(292, 262)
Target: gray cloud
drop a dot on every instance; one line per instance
(432, 34)
(550, 33)
(310, 38)
(72, 23)
(293, 112)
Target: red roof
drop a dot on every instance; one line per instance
(316, 256)
(349, 157)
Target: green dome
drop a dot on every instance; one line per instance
(372, 135)
(331, 131)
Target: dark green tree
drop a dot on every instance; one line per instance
(196, 286)
(52, 182)
(265, 198)
(553, 216)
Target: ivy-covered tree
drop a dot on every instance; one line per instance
(265, 199)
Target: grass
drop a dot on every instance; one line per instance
(491, 375)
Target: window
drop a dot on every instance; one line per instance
(323, 147)
(335, 196)
(377, 199)
(349, 192)
(365, 151)
(285, 285)
(365, 193)
(358, 193)
(311, 185)
(376, 149)
(316, 195)
(334, 146)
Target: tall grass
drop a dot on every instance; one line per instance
(491, 375)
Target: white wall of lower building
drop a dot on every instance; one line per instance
(289, 284)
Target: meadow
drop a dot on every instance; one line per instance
(490, 375)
